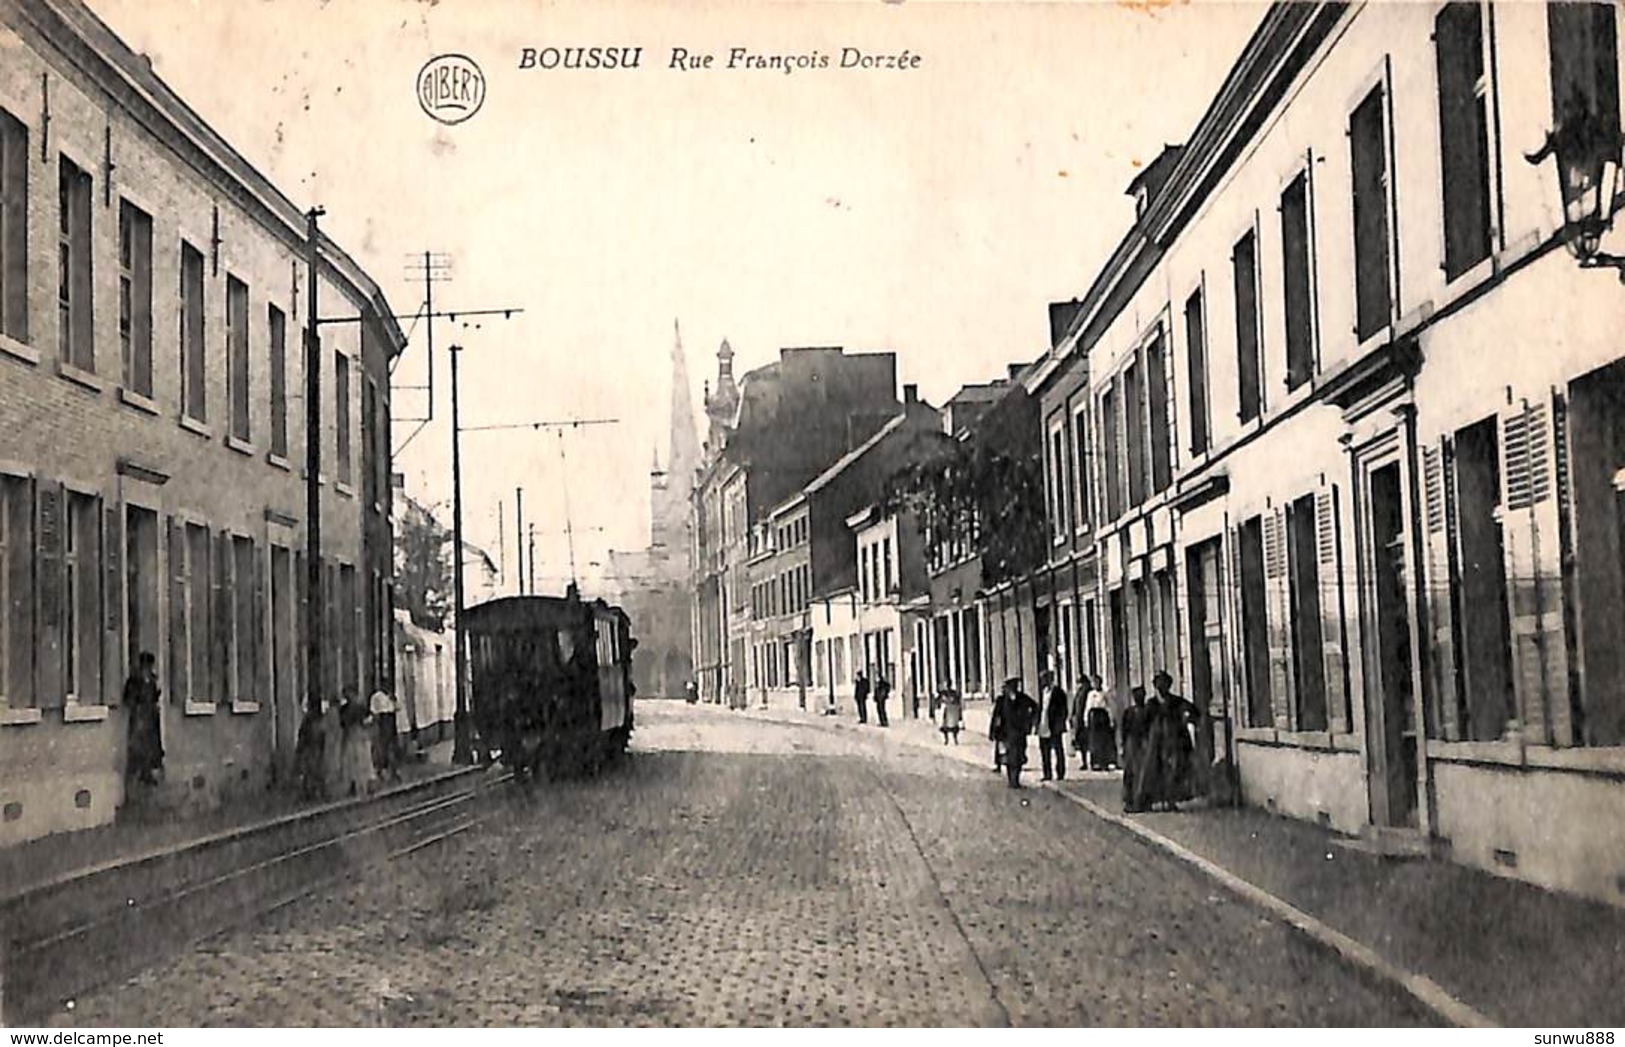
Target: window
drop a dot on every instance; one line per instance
(1057, 482)
(76, 342)
(1303, 581)
(194, 393)
(369, 442)
(1134, 432)
(1478, 585)
(885, 566)
(1297, 282)
(1369, 156)
(237, 356)
(1196, 365)
(1111, 430)
(16, 592)
(277, 325)
(13, 228)
(341, 414)
(1158, 378)
(135, 296)
(1080, 468)
(1244, 264)
(82, 632)
(1464, 135)
(1254, 625)
(1584, 41)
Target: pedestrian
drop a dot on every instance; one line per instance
(860, 695)
(1100, 742)
(882, 692)
(953, 713)
(1052, 727)
(914, 699)
(995, 727)
(691, 693)
(310, 753)
(386, 735)
(356, 759)
(1164, 775)
(1021, 715)
(144, 738)
(1134, 727)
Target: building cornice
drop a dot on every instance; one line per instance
(128, 81)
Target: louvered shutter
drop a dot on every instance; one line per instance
(179, 650)
(1278, 614)
(113, 658)
(1532, 554)
(52, 586)
(1236, 642)
(1439, 532)
(301, 628)
(223, 687)
(1329, 572)
(1555, 513)
(258, 647)
(1170, 411)
(1545, 547)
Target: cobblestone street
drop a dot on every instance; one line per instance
(737, 872)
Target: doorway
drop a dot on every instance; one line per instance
(141, 581)
(1391, 706)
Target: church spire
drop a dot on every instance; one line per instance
(671, 502)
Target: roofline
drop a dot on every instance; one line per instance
(144, 95)
(1274, 51)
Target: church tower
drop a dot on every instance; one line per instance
(672, 490)
(723, 404)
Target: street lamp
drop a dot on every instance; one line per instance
(1587, 149)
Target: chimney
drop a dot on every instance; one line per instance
(1015, 370)
(1061, 315)
(911, 394)
(397, 481)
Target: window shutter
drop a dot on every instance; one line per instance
(1278, 615)
(220, 619)
(1526, 474)
(1329, 554)
(52, 585)
(1439, 614)
(113, 656)
(1170, 410)
(1566, 677)
(178, 652)
(1236, 645)
(1546, 554)
(257, 643)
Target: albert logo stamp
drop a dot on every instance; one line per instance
(451, 88)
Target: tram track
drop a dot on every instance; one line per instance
(63, 938)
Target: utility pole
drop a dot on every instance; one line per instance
(461, 750)
(519, 538)
(314, 604)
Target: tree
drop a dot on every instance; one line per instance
(423, 568)
(981, 499)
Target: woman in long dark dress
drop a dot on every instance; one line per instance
(146, 742)
(1097, 730)
(1135, 728)
(1165, 769)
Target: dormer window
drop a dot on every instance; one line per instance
(1141, 198)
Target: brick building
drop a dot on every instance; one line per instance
(151, 498)
(831, 402)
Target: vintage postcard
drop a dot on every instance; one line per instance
(811, 514)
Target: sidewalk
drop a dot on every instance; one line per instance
(1516, 954)
(49, 858)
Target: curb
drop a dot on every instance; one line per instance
(1422, 989)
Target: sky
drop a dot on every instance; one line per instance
(933, 211)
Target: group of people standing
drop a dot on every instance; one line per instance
(860, 695)
(351, 745)
(1158, 738)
